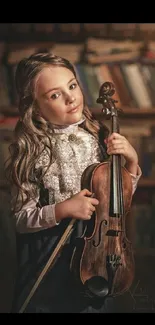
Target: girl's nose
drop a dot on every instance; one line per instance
(70, 98)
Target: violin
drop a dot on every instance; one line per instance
(103, 259)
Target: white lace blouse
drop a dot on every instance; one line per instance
(73, 149)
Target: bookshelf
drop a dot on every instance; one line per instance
(36, 37)
(128, 113)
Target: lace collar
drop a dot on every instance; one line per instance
(67, 129)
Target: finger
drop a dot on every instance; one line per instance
(117, 144)
(92, 209)
(116, 151)
(86, 192)
(87, 217)
(115, 135)
(115, 147)
(114, 141)
(94, 201)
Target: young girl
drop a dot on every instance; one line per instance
(56, 138)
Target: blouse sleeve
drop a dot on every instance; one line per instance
(135, 179)
(32, 218)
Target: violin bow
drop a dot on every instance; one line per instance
(51, 259)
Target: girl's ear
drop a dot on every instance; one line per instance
(105, 141)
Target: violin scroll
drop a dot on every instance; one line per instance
(107, 90)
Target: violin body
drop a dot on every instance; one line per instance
(103, 259)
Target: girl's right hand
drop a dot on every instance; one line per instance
(79, 206)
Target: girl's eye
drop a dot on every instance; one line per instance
(55, 96)
(74, 85)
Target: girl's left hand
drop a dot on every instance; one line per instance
(118, 144)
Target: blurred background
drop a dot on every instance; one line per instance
(123, 53)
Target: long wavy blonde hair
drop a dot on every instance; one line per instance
(31, 134)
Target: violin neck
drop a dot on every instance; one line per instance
(117, 190)
(115, 124)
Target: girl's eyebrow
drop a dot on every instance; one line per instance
(49, 90)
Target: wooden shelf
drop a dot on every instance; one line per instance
(139, 113)
(127, 112)
(146, 182)
(8, 111)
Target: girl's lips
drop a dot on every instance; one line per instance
(73, 110)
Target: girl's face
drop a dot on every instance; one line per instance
(59, 96)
